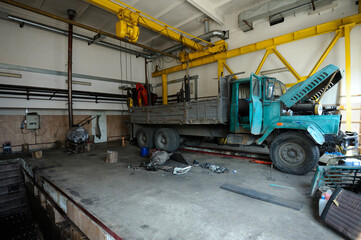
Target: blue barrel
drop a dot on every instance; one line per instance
(144, 152)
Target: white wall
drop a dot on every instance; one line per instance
(302, 54)
(36, 48)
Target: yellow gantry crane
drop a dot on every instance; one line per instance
(130, 18)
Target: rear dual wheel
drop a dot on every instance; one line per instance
(145, 137)
(167, 139)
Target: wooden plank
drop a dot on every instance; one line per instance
(12, 196)
(10, 181)
(4, 167)
(10, 174)
(11, 188)
(84, 223)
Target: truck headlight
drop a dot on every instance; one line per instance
(318, 109)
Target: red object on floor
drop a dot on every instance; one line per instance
(261, 162)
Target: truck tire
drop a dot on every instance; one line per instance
(295, 153)
(145, 137)
(166, 139)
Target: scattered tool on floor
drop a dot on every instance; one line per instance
(158, 161)
(271, 178)
(181, 171)
(263, 196)
(280, 186)
(178, 157)
(214, 168)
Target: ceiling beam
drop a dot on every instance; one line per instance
(221, 3)
(179, 25)
(80, 25)
(168, 9)
(207, 8)
(112, 21)
(150, 23)
(81, 11)
(41, 3)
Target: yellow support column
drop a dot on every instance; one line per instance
(221, 63)
(268, 51)
(326, 52)
(348, 76)
(284, 61)
(164, 89)
(229, 70)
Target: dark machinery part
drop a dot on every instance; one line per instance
(77, 135)
(180, 95)
(307, 108)
(86, 120)
(343, 139)
(187, 91)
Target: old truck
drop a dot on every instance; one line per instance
(257, 110)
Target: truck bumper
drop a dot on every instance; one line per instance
(347, 140)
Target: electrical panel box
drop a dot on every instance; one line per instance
(32, 121)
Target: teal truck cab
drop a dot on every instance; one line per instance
(291, 123)
(257, 110)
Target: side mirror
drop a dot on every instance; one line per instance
(269, 92)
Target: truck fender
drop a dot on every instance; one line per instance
(316, 134)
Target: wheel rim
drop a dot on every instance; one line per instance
(292, 153)
(162, 140)
(143, 138)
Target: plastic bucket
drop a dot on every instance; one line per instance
(144, 152)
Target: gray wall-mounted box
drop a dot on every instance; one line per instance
(32, 122)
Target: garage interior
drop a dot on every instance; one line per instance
(180, 119)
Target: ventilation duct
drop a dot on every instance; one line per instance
(276, 10)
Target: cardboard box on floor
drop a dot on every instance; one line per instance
(37, 154)
(112, 157)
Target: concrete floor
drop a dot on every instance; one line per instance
(137, 204)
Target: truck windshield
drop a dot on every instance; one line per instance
(274, 89)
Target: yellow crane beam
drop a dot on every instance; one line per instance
(134, 15)
(272, 42)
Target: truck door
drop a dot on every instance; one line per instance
(255, 110)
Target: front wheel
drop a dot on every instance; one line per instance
(295, 153)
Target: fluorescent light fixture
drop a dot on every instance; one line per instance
(13, 75)
(80, 83)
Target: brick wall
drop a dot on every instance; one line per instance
(52, 128)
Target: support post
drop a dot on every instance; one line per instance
(326, 52)
(268, 51)
(221, 63)
(284, 61)
(348, 77)
(71, 14)
(229, 70)
(164, 89)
